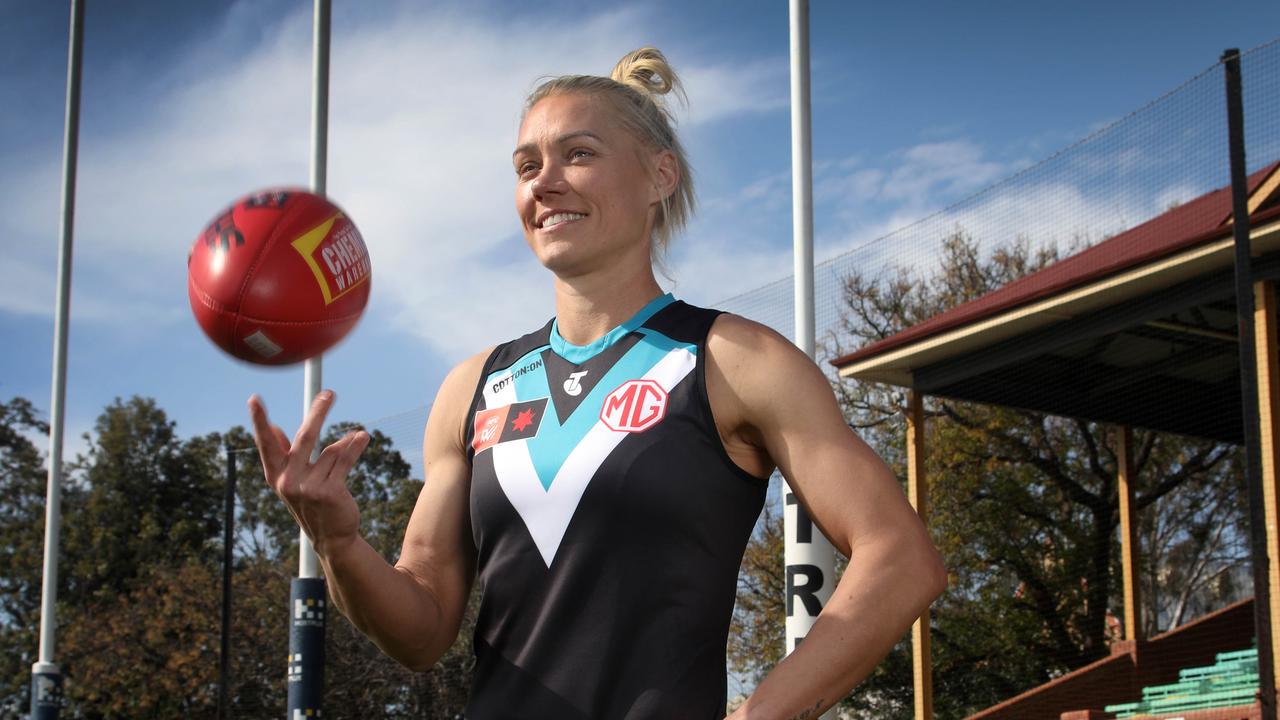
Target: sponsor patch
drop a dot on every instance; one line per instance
(573, 386)
(635, 406)
(517, 421)
(505, 380)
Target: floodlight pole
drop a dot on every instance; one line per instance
(1249, 386)
(808, 555)
(46, 677)
(307, 592)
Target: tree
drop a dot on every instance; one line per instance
(22, 485)
(148, 501)
(756, 632)
(1194, 553)
(149, 653)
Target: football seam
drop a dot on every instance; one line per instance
(329, 321)
(208, 299)
(253, 265)
(213, 304)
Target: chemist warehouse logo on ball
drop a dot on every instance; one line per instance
(340, 261)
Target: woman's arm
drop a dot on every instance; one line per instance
(776, 399)
(412, 610)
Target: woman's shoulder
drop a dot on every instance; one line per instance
(757, 364)
(464, 378)
(733, 335)
(448, 418)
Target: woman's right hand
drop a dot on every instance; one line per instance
(315, 493)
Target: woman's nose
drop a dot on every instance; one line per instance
(550, 180)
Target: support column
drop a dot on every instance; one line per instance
(1250, 398)
(918, 494)
(1265, 334)
(1128, 535)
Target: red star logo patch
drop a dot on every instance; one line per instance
(523, 420)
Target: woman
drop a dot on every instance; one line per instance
(602, 474)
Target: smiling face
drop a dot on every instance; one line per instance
(586, 190)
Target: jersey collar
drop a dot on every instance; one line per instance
(579, 354)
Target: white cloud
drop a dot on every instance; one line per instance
(1175, 195)
(726, 90)
(953, 168)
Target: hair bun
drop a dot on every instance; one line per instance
(647, 70)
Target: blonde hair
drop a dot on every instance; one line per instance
(634, 90)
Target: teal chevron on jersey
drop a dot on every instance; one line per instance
(556, 440)
(550, 448)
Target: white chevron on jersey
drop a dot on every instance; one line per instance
(547, 512)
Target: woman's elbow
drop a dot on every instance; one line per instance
(419, 659)
(919, 573)
(935, 574)
(921, 560)
(416, 651)
(417, 664)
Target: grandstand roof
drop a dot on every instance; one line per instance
(1140, 315)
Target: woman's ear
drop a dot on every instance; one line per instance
(666, 175)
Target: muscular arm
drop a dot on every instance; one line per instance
(413, 610)
(894, 572)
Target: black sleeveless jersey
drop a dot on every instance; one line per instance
(609, 525)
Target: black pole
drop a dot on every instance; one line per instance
(306, 647)
(228, 545)
(1249, 385)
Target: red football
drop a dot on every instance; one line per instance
(279, 277)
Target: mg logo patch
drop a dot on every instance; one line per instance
(635, 406)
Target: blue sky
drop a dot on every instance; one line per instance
(189, 105)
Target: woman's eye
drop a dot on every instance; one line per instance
(581, 153)
(525, 168)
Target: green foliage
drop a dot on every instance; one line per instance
(381, 485)
(140, 609)
(150, 500)
(756, 633)
(23, 480)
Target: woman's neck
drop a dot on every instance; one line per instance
(588, 307)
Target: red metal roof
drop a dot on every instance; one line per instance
(1190, 224)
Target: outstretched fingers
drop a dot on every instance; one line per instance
(348, 455)
(338, 458)
(305, 441)
(273, 446)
